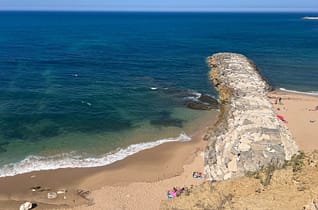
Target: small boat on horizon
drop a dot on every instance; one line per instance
(310, 18)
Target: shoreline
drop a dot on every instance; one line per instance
(99, 162)
(309, 93)
(148, 166)
(148, 173)
(145, 137)
(141, 180)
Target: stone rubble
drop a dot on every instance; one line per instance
(248, 135)
(26, 206)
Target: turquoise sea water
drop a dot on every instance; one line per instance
(75, 87)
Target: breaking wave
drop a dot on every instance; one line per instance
(193, 95)
(73, 160)
(314, 93)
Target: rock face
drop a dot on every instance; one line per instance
(26, 206)
(248, 135)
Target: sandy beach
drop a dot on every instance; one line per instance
(141, 180)
(145, 195)
(301, 117)
(138, 182)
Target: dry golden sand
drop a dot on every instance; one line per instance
(301, 120)
(148, 195)
(144, 195)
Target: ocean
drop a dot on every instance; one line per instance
(82, 89)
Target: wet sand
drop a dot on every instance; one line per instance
(145, 176)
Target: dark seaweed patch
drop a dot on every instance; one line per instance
(164, 119)
(37, 127)
(2, 147)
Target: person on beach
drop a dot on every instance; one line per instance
(281, 117)
(176, 192)
(280, 100)
(197, 174)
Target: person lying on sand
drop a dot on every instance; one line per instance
(196, 174)
(176, 192)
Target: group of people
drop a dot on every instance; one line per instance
(176, 191)
(278, 100)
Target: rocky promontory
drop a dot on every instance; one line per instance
(248, 135)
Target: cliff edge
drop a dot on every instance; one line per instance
(248, 135)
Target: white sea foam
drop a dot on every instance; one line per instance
(73, 160)
(310, 18)
(191, 98)
(314, 93)
(194, 96)
(153, 88)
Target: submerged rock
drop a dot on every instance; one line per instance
(198, 105)
(248, 135)
(204, 102)
(209, 100)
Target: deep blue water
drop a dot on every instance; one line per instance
(82, 81)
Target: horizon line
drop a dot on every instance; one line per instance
(160, 11)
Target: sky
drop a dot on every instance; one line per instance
(161, 5)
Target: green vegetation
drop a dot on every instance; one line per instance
(265, 174)
(297, 161)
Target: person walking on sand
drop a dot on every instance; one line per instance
(280, 100)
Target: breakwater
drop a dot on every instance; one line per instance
(248, 135)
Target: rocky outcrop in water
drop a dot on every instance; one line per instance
(248, 135)
(204, 102)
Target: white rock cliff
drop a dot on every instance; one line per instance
(248, 135)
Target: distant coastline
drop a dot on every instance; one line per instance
(310, 18)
